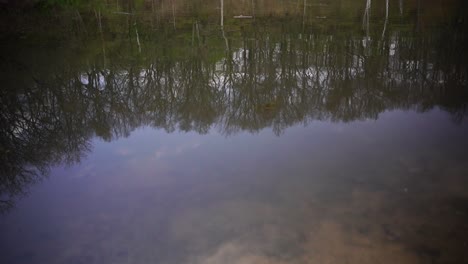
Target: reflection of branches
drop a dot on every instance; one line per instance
(263, 79)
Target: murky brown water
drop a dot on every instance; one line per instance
(313, 132)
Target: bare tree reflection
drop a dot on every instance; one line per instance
(254, 77)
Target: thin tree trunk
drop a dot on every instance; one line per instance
(222, 13)
(173, 14)
(225, 40)
(401, 7)
(366, 17)
(81, 21)
(102, 36)
(386, 19)
(304, 14)
(137, 38)
(418, 15)
(253, 8)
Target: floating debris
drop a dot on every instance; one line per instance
(242, 16)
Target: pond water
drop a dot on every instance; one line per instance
(312, 131)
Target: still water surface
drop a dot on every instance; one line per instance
(326, 134)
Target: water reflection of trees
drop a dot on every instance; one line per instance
(266, 78)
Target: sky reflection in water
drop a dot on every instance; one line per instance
(360, 191)
(285, 139)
